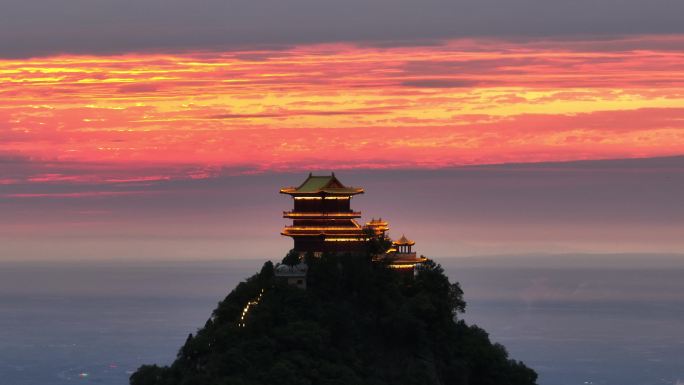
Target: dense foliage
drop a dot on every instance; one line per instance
(357, 323)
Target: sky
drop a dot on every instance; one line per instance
(153, 129)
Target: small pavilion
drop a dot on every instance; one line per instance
(401, 256)
(378, 227)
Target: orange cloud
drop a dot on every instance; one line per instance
(346, 106)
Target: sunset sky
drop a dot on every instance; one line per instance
(130, 128)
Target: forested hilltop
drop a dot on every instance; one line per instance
(356, 323)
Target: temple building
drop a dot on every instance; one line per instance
(292, 275)
(323, 221)
(401, 255)
(378, 227)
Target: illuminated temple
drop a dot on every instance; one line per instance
(401, 255)
(323, 221)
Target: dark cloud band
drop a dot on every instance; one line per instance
(33, 27)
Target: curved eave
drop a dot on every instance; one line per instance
(324, 192)
(329, 237)
(325, 234)
(404, 264)
(410, 243)
(393, 257)
(408, 261)
(326, 216)
(379, 228)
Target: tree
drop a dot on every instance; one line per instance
(292, 258)
(357, 323)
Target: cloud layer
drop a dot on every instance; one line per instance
(33, 27)
(348, 106)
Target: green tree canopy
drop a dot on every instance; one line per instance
(357, 323)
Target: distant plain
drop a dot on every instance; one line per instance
(576, 319)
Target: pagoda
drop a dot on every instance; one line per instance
(322, 219)
(378, 227)
(401, 255)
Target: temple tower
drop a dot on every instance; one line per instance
(401, 256)
(322, 218)
(403, 245)
(378, 227)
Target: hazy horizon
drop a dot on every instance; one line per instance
(573, 321)
(611, 206)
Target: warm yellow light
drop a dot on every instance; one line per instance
(345, 239)
(245, 311)
(401, 266)
(309, 214)
(312, 198)
(320, 228)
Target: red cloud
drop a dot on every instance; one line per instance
(337, 106)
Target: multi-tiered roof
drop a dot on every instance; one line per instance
(315, 186)
(378, 227)
(401, 255)
(322, 219)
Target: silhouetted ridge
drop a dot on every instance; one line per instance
(357, 322)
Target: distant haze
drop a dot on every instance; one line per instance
(617, 206)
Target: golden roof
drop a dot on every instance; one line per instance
(323, 184)
(378, 222)
(403, 241)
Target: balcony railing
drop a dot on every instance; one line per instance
(303, 214)
(336, 231)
